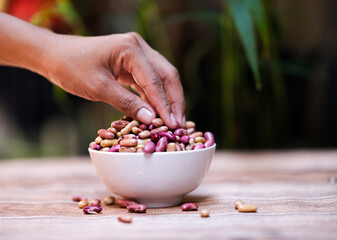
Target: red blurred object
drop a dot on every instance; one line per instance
(25, 9)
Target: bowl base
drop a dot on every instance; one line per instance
(161, 203)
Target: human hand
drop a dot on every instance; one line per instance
(94, 68)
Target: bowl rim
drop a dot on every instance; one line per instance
(154, 153)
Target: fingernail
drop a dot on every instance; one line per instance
(173, 119)
(145, 116)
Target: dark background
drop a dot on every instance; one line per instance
(296, 107)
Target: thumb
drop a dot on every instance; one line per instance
(129, 103)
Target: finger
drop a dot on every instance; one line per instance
(170, 78)
(144, 75)
(127, 102)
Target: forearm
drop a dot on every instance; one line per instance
(22, 44)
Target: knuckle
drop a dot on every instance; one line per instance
(126, 103)
(130, 39)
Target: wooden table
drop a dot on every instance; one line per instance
(295, 196)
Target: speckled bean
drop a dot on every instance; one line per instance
(113, 130)
(179, 147)
(98, 140)
(180, 132)
(105, 149)
(190, 124)
(160, 129)
(106, 134)
(109, 142)
(92, 209)
(189, 207)
(161, 144)
(196, 134)
(144, 134)
(95, 146)
(157, 122)
(128, 143)
(123, 203)
(190, 131)
(79, 198)
(136, 208)
(109, 200)
(171, 147)
(129, 127)
(127, 149)
(115, 148)
(199, 140)
(95, 202)
(82, 204)
(119, 124)
(136, 130)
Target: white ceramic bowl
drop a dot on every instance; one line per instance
(158, 179)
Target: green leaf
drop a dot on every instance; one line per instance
(244, 25)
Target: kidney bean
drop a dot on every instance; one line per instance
(190, 131)
(143, 126)
(119, 124)
(109, 142)
(127, 149)
(144, 134)
(160, 129)
(128, 136)
(185, 139)
(95, 146)
(190, 124)
(136, 208)
(238, 203)
(151, 127)
(123, 203)
(127, 118)
(178, 147)
(105, 149)
(161, 144)
(189, 207)
(169, 135)
(115, 148)
(124, 218)
(92, 209)
(98, 140)
(149, 147)
(199, 140)
(157, 122)
(113, 130)
(198, 146)
(154, 137)
(196, 134)
(109, 200)
(182, 146)
(209, 139)
(79, 198)
(106, 134)
(128, 143)
(247, 208)
(171, 147)
(180, 132)
(82, 204)
(136, 130)
(95, 202)
(188, 147)
(129, 127)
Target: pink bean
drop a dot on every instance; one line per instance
(115, 148)
(106, 134)
(209, 139)
(92, 209)
(198, 146)
(189, 207)
(161, 144)
(169, 135)
(123, 203)
(95, 146)
(143, 126)
(136, 208)
(154, 137)
(185, 139)
(149, 147)
(180, 132)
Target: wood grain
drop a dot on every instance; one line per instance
(291, 189)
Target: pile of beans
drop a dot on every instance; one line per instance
(128, 135)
